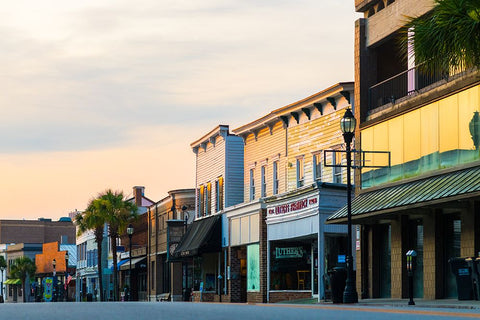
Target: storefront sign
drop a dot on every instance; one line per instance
(291, 252)
(293, 206)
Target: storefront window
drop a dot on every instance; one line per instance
(253, 267)
(291, 266)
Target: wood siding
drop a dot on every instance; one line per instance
(310, 136)
(263, 150)
(234, 180)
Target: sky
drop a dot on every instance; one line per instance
(110, 94)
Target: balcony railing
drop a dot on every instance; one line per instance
(402, 85)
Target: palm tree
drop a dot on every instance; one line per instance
(447, 38)
(23, 268)
(94, 219)
(119, 212)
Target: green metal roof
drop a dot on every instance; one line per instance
(444, 186)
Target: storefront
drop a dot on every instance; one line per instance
(200, 255)
(301, 249)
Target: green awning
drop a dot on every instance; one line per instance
(13, 281)
(445, 187)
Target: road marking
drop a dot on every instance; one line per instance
(369, 309)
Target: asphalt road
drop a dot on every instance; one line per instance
(212, 311)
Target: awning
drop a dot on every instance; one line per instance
(135, 261)
(203, 235)
(120, 263)
(13, 281)
(445, 187)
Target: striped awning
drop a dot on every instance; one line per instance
(441, 188)
(13, 281)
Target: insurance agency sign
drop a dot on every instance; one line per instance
(293, 206)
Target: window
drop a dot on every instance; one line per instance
(252, 184)
(300, 172)
(275, 177)
(208, 199)
(317, 166)
(337, 170)
(201, 201)
(264, 182)
(219, 194)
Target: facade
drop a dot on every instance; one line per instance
(428, 199)
(218, 184)
(58, 271)
(167, 223)
(25, 238)
(133, 282)
(280, 248)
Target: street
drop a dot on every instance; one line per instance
(212, 311)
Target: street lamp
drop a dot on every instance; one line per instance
(1, 287)
(347, 125)
(130, 233)
(54, 263)
(66, 276)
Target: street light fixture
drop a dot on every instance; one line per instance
(347, 125)
(66, 276)
(130, 233)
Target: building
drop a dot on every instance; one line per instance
(25, 238)
(55, 263)
(218, 184)
(428, 199)
(134, 281)
(279, 246)
(167, 221)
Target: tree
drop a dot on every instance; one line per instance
(447, 38)
(94, 219)
(23, 268)
(119, 212)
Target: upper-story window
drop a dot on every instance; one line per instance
(317, 166)
(208, 199)
(300, 172)
(264, 181)
(201, 201)
(275, 177)
(337, 170)
(219, 194)
(252, 184)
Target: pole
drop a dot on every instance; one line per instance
(350, 293)
(130, 270)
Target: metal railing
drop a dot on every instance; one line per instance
(402, 85)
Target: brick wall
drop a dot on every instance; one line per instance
(396, 259)
(429, 256)
(234, 285)
(277, 296)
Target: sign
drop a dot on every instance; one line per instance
(48, 289)
(201, 286)
(293, 206)
(287, 253)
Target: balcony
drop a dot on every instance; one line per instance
(402, 85)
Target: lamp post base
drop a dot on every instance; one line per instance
(350, 294)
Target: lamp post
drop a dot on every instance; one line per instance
(66, 276)
(347, 125)
(1, 287)
(130, 233)
(54, 264)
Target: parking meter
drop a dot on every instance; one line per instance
(411, 266)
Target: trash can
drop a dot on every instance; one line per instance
(463, 275)
(89, 297)
(338, 277)
(474, 267)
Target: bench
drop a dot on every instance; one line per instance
(163, 297)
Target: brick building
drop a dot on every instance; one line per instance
(37, 231)
(429, 198)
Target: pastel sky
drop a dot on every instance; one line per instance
(110, 94)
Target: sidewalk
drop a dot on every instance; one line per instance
(398, 303)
